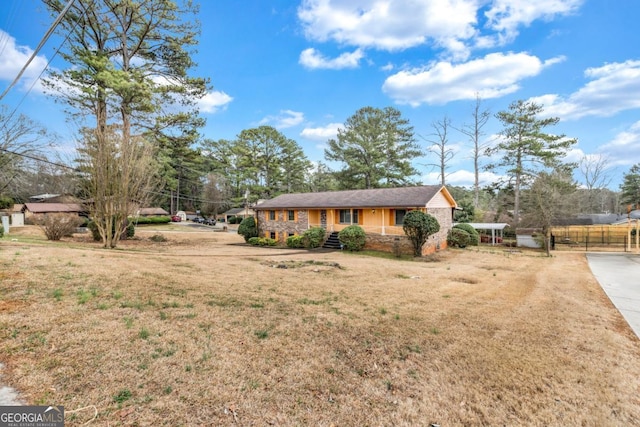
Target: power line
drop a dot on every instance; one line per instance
(40, 45)
(39, 159)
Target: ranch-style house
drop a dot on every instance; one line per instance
(380, 212)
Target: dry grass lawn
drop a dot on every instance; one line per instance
(203, 330)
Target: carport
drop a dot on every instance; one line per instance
(493, 226)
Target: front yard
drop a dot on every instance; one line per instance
(203, 330)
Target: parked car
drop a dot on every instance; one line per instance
(210, 221)
(198, 220)
(176, 218)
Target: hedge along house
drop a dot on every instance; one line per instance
(380, 212)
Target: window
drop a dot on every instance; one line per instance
(345, 216)
(400, 213)
(348, 216)
(291, 215)
(272, 235)
(272, 215)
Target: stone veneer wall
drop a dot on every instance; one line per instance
(281, 226)
(439, 240)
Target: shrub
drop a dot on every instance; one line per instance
(474, 236)
(6, 202)
(58, 225)
(418, 226)
(295, 242)
(235, 220)
(458, 237)
(1, 231)
(352, 237)
(158, 238)
(313, 237)
(262, 241)
(152, 220)
(91, 225)
(248, 228)
(130, 230)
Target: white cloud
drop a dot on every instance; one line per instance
(14, 57)
(389, 25)
(461, 177)
(214, 101)
(613, 88)
(311, 58)
(323, 133)
(495, 75)
(506, 16)
(449, 25)
(285, 119)
(624, 148)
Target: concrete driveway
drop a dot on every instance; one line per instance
(619, 276)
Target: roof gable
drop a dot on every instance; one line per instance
(404, 197)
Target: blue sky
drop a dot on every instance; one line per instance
(305, 66)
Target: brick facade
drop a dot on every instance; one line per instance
(281, 228)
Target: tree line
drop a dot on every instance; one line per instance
(129, 86)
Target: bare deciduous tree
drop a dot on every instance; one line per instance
(22, 143)
(475, 133)
(119, 177)
(440, 147)
(595, 172)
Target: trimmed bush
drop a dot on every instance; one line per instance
(352, 237)
(235, 220)
(313, 237)
(458, 237)
(262, 241)
(474, 236)
(152, 220)
(248, 228)
(418, 226)
(295, 242)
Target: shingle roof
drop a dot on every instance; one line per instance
(152, 211)
(377, 197)
(54, 207)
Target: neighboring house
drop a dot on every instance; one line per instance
(152, 212)
(380, 212)
(235, 212)
(31, 210)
